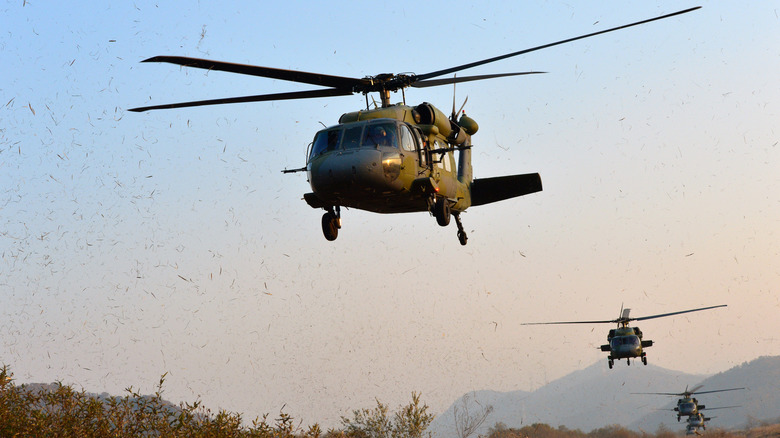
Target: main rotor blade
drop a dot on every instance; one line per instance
(718, 390)
(693, 390)
(266, 72)
(687, 392)
(456, 80)
(568, 322)
(721, 407)
(642, 318)
(521, 52)
(327, 92)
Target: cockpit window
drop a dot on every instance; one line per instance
(624, 340)
(352, 137)
(380, 134)
(326, 140)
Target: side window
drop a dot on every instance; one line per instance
(352, 137)
(407, 141)
(325, 141)
(418, 139)
(443, 160)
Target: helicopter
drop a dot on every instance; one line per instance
(695, 422)
(693, 430)
(393, 158)
(626, 342)
(689, 405)
(699, 420)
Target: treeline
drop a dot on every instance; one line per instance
(59, 411)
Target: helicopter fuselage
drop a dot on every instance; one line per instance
(400, 159)
(387, 161)
(628, 346)
(687, 406)
(626, 343)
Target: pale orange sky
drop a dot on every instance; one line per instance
(138, 244)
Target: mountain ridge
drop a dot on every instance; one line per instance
(596, 397)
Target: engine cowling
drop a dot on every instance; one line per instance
(468, 124)
(430, 115)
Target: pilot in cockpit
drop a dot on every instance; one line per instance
(378, 136)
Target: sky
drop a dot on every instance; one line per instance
(138, 244)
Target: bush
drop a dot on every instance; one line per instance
(59, 411)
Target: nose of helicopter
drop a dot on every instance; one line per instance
(354, 172)
(626, 346)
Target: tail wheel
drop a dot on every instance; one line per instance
(441, 210)
(330, 226)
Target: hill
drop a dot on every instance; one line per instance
(597, 397)
(757, 403)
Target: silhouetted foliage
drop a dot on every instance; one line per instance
(59, 411)
(410, 422)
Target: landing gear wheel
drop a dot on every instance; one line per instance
(628, 361)
(462, 237)
(330, 227)
(644, 360)
(441, 210)
(611, 363)
(331, 222)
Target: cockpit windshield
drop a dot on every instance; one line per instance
(380, 134)
(354, 135)
(631, 340)
(326, 140)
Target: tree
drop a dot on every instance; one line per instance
(466, 421)
(410, 422)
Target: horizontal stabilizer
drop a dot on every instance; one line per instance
(487, 190)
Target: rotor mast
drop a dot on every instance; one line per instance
(384, 95)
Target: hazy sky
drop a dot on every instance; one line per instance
(137, 244)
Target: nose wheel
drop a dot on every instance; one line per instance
(331, 222)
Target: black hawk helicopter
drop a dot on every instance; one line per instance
(394, 158)
(689, 405)
(696, 422)
(626, 342)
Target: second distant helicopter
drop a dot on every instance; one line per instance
(626, 342)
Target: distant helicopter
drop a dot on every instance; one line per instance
(695, 422)
(626, 342)
(688, 405)
(693, 430)
(394, 158)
